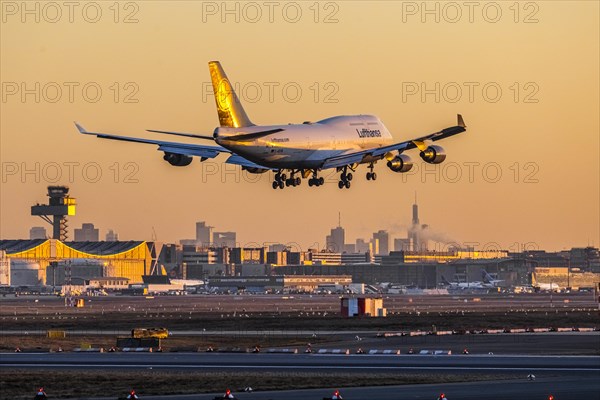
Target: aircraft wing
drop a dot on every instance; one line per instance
(357, 156)
(199, 150)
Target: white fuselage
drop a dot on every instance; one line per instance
(307, 145)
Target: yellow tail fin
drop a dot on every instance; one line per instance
(231, 112)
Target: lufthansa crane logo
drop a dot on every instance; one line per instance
(224, 95)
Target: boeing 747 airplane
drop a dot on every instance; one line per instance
(296, 151)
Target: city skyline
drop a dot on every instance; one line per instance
(394, 239)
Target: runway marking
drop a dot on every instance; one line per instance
(173, 366)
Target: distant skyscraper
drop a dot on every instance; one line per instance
(383, 238)
(112, 236)
(401, 244)
(361, 246)
(413, 232)
(203, 234)
(87, 233)
(37, 232)
(337, 238)
(277, 247)
(423, 234)
(224, 239)
(415, 212)
(349, 248)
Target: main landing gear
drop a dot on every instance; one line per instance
(371, 176)
(282, 180)
(345, 179)
(279, 182)
(315, 180)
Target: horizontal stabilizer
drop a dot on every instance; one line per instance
(246, 137)
(192, 135)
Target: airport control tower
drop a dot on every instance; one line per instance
(55, 213)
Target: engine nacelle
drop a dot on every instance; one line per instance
(433, 154)
(400, 163)
(254, 170)
(177, 160)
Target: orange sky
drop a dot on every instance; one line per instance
(541, 133)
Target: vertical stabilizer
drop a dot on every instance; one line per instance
(231, 112)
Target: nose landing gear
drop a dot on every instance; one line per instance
(371, 176)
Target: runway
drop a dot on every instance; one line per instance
(277, 362)
(566, 377)
(573, 388)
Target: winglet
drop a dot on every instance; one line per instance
(461, 121)
(81, 129)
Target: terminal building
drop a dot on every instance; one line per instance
(262, 283)
(585, 258)
(428, 275)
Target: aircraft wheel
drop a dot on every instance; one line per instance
(321, 181)
(277, 176)
(347, 184)
(343, 176)
(368, 176)
(373, 175)
(341, 184)
(275, 184)
(310, 182)
(298, 181)
(283, 177)
(281, 185)
(349, 176)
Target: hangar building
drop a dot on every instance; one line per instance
(53, 262)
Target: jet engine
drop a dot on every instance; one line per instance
(254, 170)
(433, 154)
(400, 163)
(177, 160)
